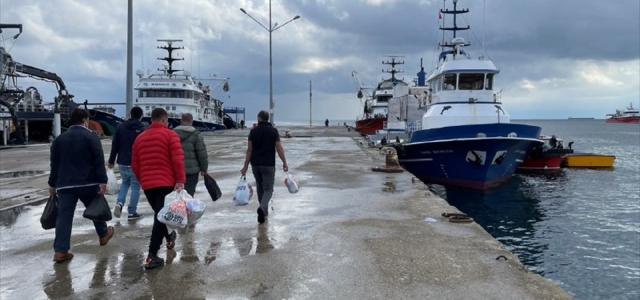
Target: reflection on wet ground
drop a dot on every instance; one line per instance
(22, 174)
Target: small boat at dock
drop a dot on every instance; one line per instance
(545, 159)
(588, 160)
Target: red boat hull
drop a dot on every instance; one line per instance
(623, 120)
(369, 126)
(548, 163)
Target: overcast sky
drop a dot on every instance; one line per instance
(558, 59)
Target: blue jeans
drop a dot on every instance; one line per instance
(128, 180)
(67, 201)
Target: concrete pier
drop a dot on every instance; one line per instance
(349, 233)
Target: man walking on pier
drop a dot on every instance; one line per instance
(157, 161)
(196, 161)
(77, 172)
(121, 146)
(264, 142)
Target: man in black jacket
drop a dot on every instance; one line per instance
(121, 146)
(264, 141)
(77, 172)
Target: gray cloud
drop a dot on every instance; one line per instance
(537, 41)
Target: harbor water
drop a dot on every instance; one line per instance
(581, 228)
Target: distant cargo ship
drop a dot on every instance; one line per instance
(572, 118)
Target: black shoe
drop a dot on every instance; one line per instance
(171, 240)
(135, 216)
(260, 215)
(153, 262)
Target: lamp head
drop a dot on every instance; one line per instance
(242, 10)
(296, 17)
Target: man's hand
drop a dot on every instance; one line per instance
(203, 173)
(110, 166)
(243, 171)
(103, 189)
(52, 191)
(285, 167)
(179, 186)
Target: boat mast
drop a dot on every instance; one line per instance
(455, 28)
(170, 59)
(393, 64)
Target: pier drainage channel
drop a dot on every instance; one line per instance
(17, 174)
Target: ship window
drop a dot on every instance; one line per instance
(173, 108)
(167, 107)
(488, 84)
(471, 81)
(450, 82)
(162, 94)
(146, 107)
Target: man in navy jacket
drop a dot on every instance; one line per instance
(77, 172)
(121, 146)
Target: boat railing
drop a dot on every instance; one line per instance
(413, 127)
(394, 125)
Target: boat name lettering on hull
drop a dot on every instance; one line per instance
(436, 152)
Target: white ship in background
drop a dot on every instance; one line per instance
(181, 93)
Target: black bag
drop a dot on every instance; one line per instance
(50, 213)
(212, 187)
(98, 209)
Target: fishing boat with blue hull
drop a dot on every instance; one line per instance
(181, 93)
(465, 137)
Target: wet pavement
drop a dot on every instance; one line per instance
(349, 233)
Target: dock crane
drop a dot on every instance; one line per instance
(11, 69)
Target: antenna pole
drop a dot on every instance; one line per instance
(484, 26)
(310, 104)
(129, 85)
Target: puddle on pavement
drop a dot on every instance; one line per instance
(9, 217)
(16, 174)
(391, 186)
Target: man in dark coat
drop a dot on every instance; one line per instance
(121, 146)
(264, 142)
(77, 172)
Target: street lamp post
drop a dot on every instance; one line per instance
(271, 29)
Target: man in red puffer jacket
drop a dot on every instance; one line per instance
(157, 160)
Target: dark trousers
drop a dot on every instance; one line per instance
(265, 177)
(155, 196)
(190, 185)
(67, 201)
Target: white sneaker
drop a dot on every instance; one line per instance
(117, 210)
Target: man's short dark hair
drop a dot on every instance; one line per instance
(77, 115)
(263, 115)
(136, 112)
(158, 113)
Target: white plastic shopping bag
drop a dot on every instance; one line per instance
(291, 183)
(112, 182)
(174, 212)
(243, 193)
(195, 207)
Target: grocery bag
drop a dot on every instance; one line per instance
(50, 213)
(174, 212)
(243, 193)
(195, 207)
(212, 187)
(291, 183)
(112, 183)
(98, 210)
